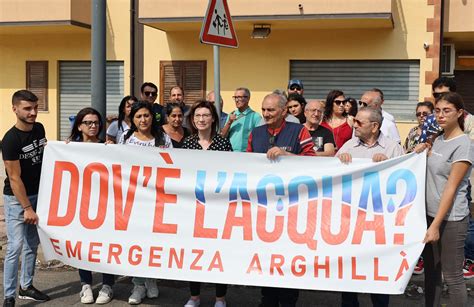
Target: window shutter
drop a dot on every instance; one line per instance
(190, 75)
(37, 81)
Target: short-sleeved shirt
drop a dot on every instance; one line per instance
(323, 132)
(133, 140)
(383, 145)
(27, 147)
(116, 131)
(240, 129)
(159, 114)
(443, 154)
(218, 143)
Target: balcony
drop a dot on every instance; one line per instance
(45, 16)
(459, 24)
(187, 15)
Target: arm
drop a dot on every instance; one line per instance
(329, 151)
(230, 119)
(14, 175)
(457, 173)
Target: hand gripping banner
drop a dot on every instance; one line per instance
(234, 218)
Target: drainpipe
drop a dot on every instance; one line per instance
(441, 30)
(132, 47)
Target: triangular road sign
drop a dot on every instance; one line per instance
(217, 28)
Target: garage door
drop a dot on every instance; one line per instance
(399, 80)
(75, 90)
(465, 87)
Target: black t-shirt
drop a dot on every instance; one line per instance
(323, 132)
(159, 114)
(28, 147)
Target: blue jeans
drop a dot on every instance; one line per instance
(469, 243)
(21, 239)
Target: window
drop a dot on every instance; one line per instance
(190, 75)
(37, 82)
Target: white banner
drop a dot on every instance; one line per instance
(235, 218)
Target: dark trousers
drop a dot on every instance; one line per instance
(86, 278)
(349, 299)
(275, 297)
(195, 287)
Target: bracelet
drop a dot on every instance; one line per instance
(24, 208)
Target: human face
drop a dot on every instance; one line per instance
(294, 107)
(241, 100)
(89, 126)
(128, 107)
(273, 114)
(295, 89)
(440, 90)
(447, 115)
(364, 129)
(347, 107)
(149, 94)
(369, 98)
(176, 95)
(203, 119)
(421, 113)
(175, 119)
(26, 111)
(313, 113)
(338, 105)
(142, 120)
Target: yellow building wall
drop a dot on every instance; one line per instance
(263, 65)
(47, 45)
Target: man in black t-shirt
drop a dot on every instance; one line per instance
(22, 150)
(149, 93)
(323, 139)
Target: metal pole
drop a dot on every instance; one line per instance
(98, 59)
(217, 85)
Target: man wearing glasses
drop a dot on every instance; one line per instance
(295, 86)
(241, 121)
(374, 99)
(323, 139)
(149, 93)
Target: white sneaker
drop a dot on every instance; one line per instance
(151, 288)
(105, 295)
(138, 294)
(220, 304)
(86, 294)
(192, 303)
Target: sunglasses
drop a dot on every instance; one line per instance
(295, 88)
(271, 140)
(151, 94)
(339, 102)
(362, 104)
(359, 123)
(418, 114)
(437, 95)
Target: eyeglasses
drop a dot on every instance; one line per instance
(359, 123)
(202, 116)
(445, 111)
(236, 98)
(339, 102)
(362, 104)
(315, 111)
(151, 94)
(418, 114)
(89, 123)
(437, 95)
(295, 88)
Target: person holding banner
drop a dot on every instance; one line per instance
(174, 127)
(144, 131)
(205, 126)
(279, 138)
(449, 166)
(22, 151)
(368, 142)
(87, 127)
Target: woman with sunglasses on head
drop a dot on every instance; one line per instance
(144, 131)
(86, 128)
(174, 127)
(205, 136)
(335, 118)
(118, 127)
(449, 165)
(423, 109)
(295, 105)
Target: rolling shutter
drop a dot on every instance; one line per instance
(465, 87)
(190, 75)
(75, 90)
(37, 82)
(399, 80)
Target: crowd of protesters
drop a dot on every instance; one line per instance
(288, 124)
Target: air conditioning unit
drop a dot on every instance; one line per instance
(448, 60)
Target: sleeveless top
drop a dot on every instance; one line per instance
(342, 133)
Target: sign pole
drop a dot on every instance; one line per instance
(217, 85)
